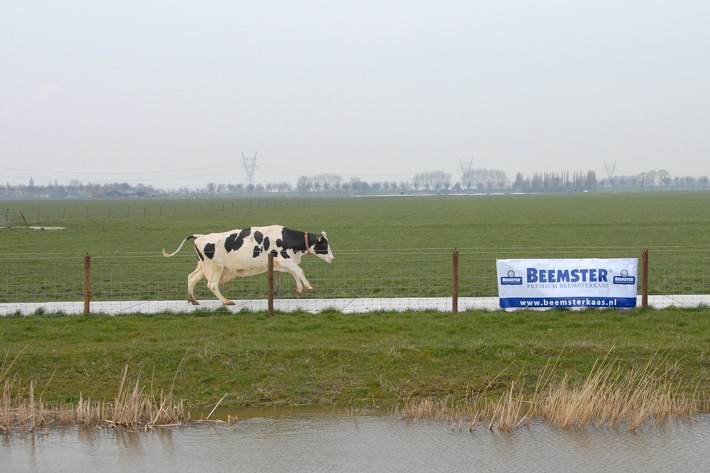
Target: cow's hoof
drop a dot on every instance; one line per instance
(229, 303)
(310, 289)
(193, 302)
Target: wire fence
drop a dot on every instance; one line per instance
(417, 276)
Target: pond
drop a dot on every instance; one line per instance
(327, 442)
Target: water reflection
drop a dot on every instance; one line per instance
(318, 442)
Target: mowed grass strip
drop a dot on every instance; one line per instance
(377, 360)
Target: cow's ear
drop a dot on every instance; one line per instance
(324, 235)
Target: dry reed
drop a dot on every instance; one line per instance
(611, 396)
(614, 396)
(133, 408)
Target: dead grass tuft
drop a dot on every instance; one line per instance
(133, 408)
(611, 396)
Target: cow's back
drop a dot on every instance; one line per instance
(240, 247)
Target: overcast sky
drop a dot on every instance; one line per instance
(171, 93)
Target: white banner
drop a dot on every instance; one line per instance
(550, 283)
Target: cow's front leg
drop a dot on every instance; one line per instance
(213, 285)
(306, 284)
(297, 273)
(299, 286)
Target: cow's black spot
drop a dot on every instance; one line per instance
(235, 241)
(199, 254)
(274, 253)
(257, 251)
(267, 243)
(209, 250)
(284, 254)
(258, 237)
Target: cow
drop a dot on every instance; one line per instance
(245, 252)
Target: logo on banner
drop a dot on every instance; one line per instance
(510, 279)
(624, 278)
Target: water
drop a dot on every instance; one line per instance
(324, 443)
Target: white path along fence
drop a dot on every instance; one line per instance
(314, 306)
(377, 280)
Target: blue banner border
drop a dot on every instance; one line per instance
(566, 302)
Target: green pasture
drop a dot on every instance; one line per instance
(338, 360)
(544, 221)
(373, 238)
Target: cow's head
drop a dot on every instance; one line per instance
(321, 248)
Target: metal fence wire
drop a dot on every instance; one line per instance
(414, 273)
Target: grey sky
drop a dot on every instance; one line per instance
(170, 93)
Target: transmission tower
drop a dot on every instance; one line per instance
(466, 173)
(610, 168)
(249, 165)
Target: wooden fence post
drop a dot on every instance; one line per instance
(455, 282)
(271, 285)
(644, 275)
(87, 284)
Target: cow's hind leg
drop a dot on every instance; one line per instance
(213, 284)
(194, 277)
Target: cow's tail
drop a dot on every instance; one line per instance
(168, 255)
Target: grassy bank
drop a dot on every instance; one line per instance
(370, 360)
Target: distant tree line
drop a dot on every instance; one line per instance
(77, 190)
(483, 179)
(213, 188)
(556, 182)
(431, 181)
(654, 180)
(472, 180)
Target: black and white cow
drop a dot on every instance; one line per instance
(245, 252)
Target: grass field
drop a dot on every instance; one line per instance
(553, 221)
(332, 359)
(381, 240)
